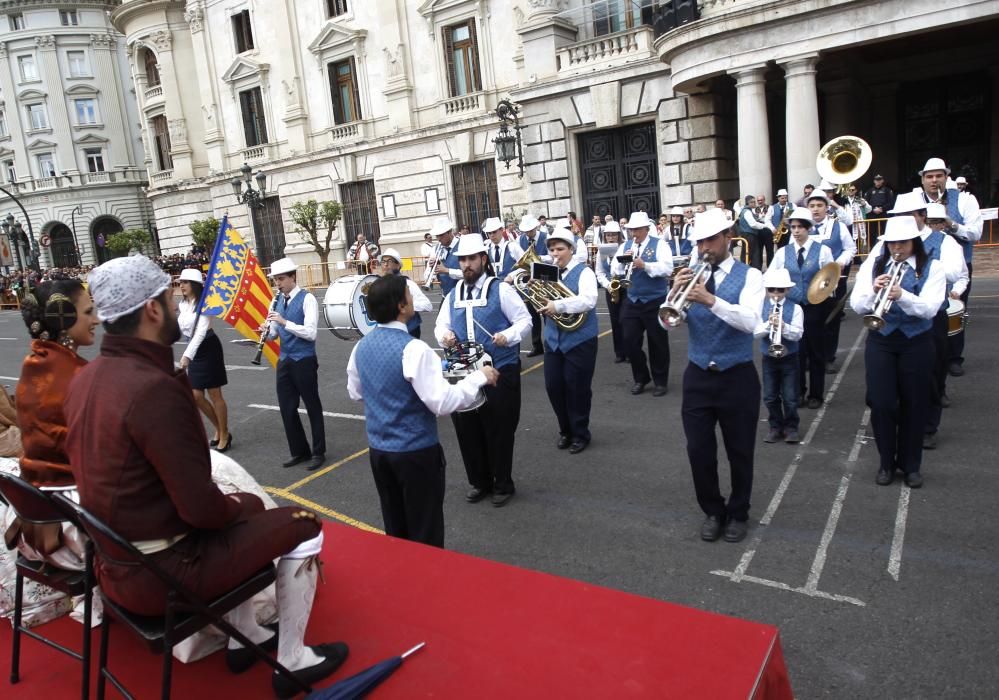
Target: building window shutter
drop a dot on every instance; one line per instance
(476, 78)
(452, 81)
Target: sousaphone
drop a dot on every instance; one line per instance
(843, 160)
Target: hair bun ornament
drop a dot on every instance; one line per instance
(60, 314)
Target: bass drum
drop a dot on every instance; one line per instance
(345, 307)
(955, 316)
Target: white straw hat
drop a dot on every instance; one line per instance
(908, 202)
(441, 225)
(639, 219)
(283, 266)
(775, 277)
(934, 164)
(561, 234)
(491, 224)
(192, 275)
(528, 222)
(391, 253)
(470, 245)
(708, 224)
(900, 228)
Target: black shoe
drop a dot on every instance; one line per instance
(711, 528)
(563, 442)
(831, 368)
(619, 360)
(295, 460)
(814, 403)
(241, 659)
(500, 499)
(944, 401)
(228, 444)
(638, 388)
(735, 530)
(955, 370)
(659, 390)
(913, 480)
(885, 477)
(792, 437)
(213, 443)
(774, 435)
(535, 352)
(578, 446)
(316, 462)
(475, 495)
(334, 655)
(930, 441)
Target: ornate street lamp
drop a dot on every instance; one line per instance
(252, 198)
(508, 144)
(14, 230)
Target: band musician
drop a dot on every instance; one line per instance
(392, 265)
(362, 254)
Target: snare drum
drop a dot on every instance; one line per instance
(455, 375)
(955, 316)
(345, 307)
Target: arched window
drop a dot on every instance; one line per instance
(62, 247)
(152, 68)
(99, 232)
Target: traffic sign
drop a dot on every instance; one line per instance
(46, 240)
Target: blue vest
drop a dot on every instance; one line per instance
(413, 324)
(788, 315)
(293, 347)
(564, 341)
(896, 319)
(451, 263)
(540, 242)
(744, 228)
(713, 340)
(506, 262)
(397, 420)
(934, 247)
(954, 214)
(645, 288)
(801, 276)
(834, 242)
(685, 245)
(491, 317)
(777, 215)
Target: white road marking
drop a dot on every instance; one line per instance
(13, 379)
(784, 587)
(328, 414)
(231, 368)
(792, 468)
(9, 338)
(895, 558)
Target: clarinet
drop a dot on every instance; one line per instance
(264, 334)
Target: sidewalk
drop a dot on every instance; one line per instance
(986, 261)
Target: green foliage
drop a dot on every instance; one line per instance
(316, 223)
(132, 239)
(204, 232)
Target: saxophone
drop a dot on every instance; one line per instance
(782, 230)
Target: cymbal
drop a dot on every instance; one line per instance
(824, 283)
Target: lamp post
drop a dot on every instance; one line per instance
(11, 226)
(76, 242)
(508, 144)
(252, 198)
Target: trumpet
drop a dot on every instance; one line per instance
(777, 349)
(674, 311)
(265, 332)
(875, 320)
(428, 278)
(538, 293)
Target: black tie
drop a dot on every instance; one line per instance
(287, 299)
(801, 257)
(710, 285)
(496, 255)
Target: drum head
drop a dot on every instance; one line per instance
(359, 307)
(955, 316)
(345, 308)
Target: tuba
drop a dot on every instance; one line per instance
(538, 293)
(844, 160)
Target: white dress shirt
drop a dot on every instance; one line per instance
(307, 329)
(749, 216)
(792, 248)
(580, 254)
(967, 204)
(602, 279)
(421, 302)
(586, 299)
(823, 230)
(745, 315)
(492, 248)
(510, 303)
(924, 305)
(790, 331)
(517, 251)
(187, 312)
(843, 214)
(951, 259)
(662, 267)
(421, 367)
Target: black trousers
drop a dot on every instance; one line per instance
(536, 328)
(299, 380)
(485, 435)
(638, 320)
(831, 332)
(755, 254)
(938, 373)
(411, 490)
(614, 311)
(731, 400)
(898, 393)
(568, 381)
(767, 244)
(956, 342)
(811, 351)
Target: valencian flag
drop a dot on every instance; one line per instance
(237, 290)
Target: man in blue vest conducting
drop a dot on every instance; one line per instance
(294, 320)
(720, 385)
(571, 355)
(400, 381)
(483, 310)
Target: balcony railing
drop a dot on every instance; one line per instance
(154, 92)
(161, 177)
(463, 104)
(607, 51)
(119, 176)
(46, 183)
(255, 152)
(346, 132)
(99, 177)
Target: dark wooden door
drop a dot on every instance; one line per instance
(620, 171)
(268, 227)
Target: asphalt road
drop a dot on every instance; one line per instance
(878, 592)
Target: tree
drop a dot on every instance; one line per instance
(316, 224)
(204, 232)
(123, 242)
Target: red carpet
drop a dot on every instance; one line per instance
(492, 631)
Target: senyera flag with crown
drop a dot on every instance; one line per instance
(237, 289)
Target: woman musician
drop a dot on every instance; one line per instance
(900, 291)
(571, 355)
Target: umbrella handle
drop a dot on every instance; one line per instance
(414, 649)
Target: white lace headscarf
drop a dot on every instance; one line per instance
(122, 285)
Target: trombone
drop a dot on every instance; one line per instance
(875, 320)
(777, 349)
(428, 278)
(674, 311)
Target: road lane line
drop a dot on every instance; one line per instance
(827, 534)
(542, 363)
(231, 368)
(325, 470)
(295, 498)
(328, 414)
(895, 558)
(792, 468)
(785, 587)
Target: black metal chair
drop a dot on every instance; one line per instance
(38, 507)
(185, 612)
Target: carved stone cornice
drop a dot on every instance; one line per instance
(102, 41)
(45, 42)
(161, 40)
(194, 15)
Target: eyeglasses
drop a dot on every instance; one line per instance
(774, 290)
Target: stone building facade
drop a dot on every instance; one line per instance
(69, 142)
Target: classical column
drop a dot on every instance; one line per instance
(113, 110)
(55, 105)
(754, 131)
(214, 134)
(802, 122)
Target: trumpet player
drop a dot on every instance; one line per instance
(445, 268)
(392, 265)
(720, 385)
(571, 355)
(612, 236)
(781, 327)
(650, 270)
(901, 289)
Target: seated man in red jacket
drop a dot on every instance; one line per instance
(140, 457)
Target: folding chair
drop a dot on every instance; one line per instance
(38, 507)
(185, 612)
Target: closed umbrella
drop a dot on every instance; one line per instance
(359, 685)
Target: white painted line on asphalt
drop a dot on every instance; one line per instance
(14, 379)
(231, 368)
(8, 338)
(895, 558)
(833, 520)
(784, 587)
(328, 414)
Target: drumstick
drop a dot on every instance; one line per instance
(483, 328)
